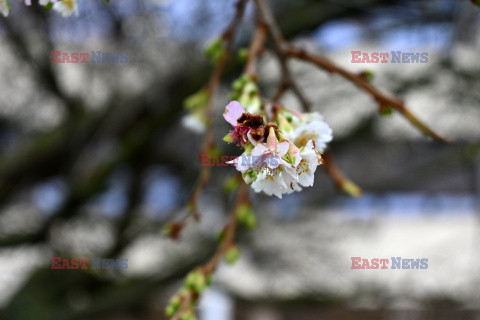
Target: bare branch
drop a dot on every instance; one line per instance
(358, 80)
(212, 87)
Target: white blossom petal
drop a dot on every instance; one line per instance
(282, 148)
(233, 111)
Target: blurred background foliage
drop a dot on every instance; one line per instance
(94, 161)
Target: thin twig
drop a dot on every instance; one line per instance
(281, 50)
(284, 50)
(255, 49)
(288, 81)
(212, 87)
(338, 177)
(230, 231)
(208, 268)
(361, 82)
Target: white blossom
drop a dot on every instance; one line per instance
(265, 169)
(66, 7)
(285, 166)
(308, 127)
(307, 161)
(273, 181)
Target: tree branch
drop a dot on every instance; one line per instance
(212, 87)
(383, 99)
(287, 81)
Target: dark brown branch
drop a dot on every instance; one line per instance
(362, 83)
(212, 87)
(281, 50)
(338, 177)
(230, 231)
(284, 50)
(287, 81)
(208, 268)
(255, 49)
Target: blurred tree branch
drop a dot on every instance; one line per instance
(57, 152)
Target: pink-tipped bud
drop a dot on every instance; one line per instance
(293, 149)
(272, 140)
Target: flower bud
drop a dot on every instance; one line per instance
(238, 84)
(170, 311)
(272, 140)
(172, 230)
(214, 50)
(385, 109)
(242, 55)
(250, 177)
(188, 316)
(232, 255)
(221, 235)
(231, 184)
(284, 124)
(246, 216)
(173, 306)
(214, 152)
(367, 75)
(351, 188)
(198, 100)
(196, 281)
(228, 138)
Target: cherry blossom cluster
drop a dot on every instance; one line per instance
(279, 157)
(65, 7)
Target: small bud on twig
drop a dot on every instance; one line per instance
(232, 255)
(246, 216)
(367, 75)
(173, 230)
